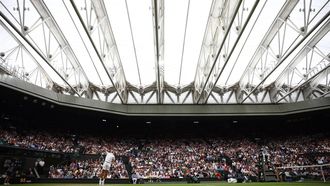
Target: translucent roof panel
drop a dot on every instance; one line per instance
(185, 23)
(131, 22)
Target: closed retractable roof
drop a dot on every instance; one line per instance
(170, 52)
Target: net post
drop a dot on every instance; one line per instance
(277, 174)
(322, 174)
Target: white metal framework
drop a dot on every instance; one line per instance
(170, 52)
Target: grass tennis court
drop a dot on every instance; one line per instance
(200, 184)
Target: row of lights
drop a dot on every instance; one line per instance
(149, 122)
(234, 122)
(105, 120)
(43, 103)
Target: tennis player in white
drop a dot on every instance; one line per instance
(109, 158)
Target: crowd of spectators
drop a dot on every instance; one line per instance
(37, 140)
(210, 158)
(175, 158)
(13, 168)
(295, 151)
(68, 143)
(98, 145)
(302, 151)
(89, 169)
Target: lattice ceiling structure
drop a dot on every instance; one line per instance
(169, 51)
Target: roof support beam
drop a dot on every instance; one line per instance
(18, 32)
(158, 24)
(274, 28)
(325, 75)
(280, 59)
(54, 28)
(306, 85)
(211, 84)
(311, 84)
(8, 68)
(313, 72)
(221, 18)
(109, 58)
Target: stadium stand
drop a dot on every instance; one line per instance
(156, 159)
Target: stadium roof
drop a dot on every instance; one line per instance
(170, 52)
